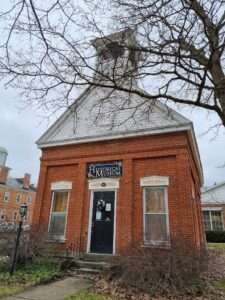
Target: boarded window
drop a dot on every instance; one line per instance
(155, 215)
(58, 215)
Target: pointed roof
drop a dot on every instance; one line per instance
(100, 114)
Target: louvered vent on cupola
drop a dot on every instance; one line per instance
(117, 57)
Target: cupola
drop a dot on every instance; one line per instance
(117, 57)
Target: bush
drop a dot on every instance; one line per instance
(159, 271)
(39, 271)
(215, 236)
(33, 243)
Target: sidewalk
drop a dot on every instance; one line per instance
(54, 291)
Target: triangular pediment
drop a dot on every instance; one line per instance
(103, 114)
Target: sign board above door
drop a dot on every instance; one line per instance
(106, 170)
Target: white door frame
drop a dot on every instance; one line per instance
(101, 185)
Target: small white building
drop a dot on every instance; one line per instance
(213, 207)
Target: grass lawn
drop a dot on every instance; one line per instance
(220, 284)
(87, 296)
(38, 272)
(219, 246)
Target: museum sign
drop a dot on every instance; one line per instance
(106, 170)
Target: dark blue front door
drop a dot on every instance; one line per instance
(102, 228)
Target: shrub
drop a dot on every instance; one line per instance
(39, 271)
(215, 236)
(159, 271)
(33, 243)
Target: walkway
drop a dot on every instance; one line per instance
(57, 290)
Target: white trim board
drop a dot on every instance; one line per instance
(154, 181)
(61, 185)
(103, 184)
(119, 135)
(212, 208)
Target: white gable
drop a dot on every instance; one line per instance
(99, 114)
(214, 195)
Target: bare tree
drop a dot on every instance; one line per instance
(178, 50)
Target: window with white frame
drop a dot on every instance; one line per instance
(18, 198)
(6, 196)
(57, 223)
(155, 208)
(29, 199)
(213, 220)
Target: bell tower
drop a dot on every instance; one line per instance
(117, 57)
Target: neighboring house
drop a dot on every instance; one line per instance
(13, 193)
(108, 182)
(213, 207)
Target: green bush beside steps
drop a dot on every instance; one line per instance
(215, 236)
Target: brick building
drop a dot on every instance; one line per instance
(14, 192)
(111, 178)
(213, 207)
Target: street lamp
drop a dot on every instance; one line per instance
(23, 213)
(23, 210)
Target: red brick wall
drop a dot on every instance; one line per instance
(164, 155)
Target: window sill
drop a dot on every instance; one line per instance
(157, 245)
(56, 240)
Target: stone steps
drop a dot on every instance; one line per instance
(97, 257)
(100, 265)
(90, 264)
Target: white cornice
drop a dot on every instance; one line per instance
(186, 127)
(114, 136)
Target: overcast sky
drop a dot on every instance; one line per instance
(20, 128)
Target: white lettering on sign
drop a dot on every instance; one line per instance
(105, 170)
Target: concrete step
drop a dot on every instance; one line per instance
(97, 257)
(98, 265)
(87, 271)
